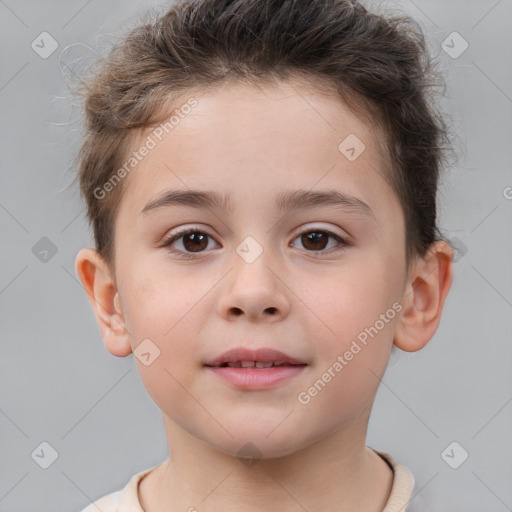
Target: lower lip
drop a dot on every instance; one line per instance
(256, 378)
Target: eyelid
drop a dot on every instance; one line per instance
(301, 230)
(185, 231)
(328, 229)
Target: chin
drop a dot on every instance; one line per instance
(251, 444)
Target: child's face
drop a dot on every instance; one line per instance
(309, 298)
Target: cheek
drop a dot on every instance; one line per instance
(353, 322)
(158, 297)
(341, 302)
(352, 345)
(169, 378)
(162, 319)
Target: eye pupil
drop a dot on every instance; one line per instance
(315, 237)
(196, 238)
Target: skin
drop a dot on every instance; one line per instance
(255, 143)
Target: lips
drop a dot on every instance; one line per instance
(255, 370)
(241, 357)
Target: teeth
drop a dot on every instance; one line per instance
(255, 364)
(251, 364)
(261, 364)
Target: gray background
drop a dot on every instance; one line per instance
(60, 385)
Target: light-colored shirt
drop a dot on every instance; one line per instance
(401, 498)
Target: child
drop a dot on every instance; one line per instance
(261, 179)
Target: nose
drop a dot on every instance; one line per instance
(254, 291)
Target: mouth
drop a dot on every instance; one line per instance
(241, 357)
(254, 364)
(255, 369)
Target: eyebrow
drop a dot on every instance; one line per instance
(287, 200)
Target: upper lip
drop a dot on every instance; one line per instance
(260, 355)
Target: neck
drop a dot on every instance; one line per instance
(334, 474)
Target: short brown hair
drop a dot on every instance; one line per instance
(375, 61)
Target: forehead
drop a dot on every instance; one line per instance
(257, 142)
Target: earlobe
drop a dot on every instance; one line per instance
(429, 282)
(104, 298)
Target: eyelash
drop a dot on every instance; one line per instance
(170, 240)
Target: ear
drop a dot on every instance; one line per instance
(100, 287)
(427, 286)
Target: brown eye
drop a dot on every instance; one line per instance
(315, 240)
(194, 241)
(318, 240)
